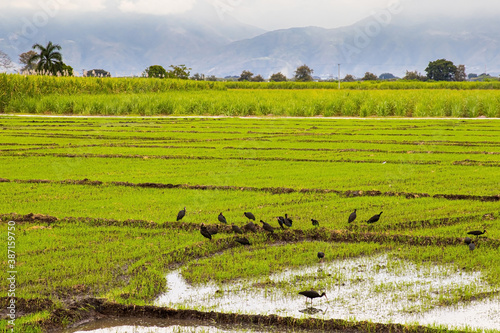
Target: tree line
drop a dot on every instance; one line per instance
(48, 61)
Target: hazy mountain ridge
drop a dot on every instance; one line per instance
(126, 44)
(395, 48)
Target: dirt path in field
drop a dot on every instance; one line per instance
(273, 190)
(482, 118)
(466, 162)
(335, 150)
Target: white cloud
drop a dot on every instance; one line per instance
(156, 7)
(77, 5)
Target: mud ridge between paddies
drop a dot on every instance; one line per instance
(266, 159)
(261, 137)
(364, 233)
(90, 309)
(273, 190)
(338, 150)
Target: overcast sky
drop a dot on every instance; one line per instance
(274, 14)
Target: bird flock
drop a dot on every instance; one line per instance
(285, 222)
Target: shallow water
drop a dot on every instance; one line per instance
(368, 288)
(150, 325)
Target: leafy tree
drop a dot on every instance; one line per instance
(415, 76)
(198, 77)
(303, 73)
(349, 78)
(369, 77)
(66, 70)
(179, 72)
(441, 70)
(5, 61)
(278, 77)
(97, 73)
(386, 76)
(472, 76)
(460, 73)
(211, 78)
(245, 76)
(24, 58)
(258, 78)
(156, 71)
(49, 59)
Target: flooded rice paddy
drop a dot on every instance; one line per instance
(149, 325)
(375, 289)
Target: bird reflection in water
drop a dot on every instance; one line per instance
(312, 311)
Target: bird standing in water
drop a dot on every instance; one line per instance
(312, 294)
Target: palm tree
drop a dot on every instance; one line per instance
(49, 60)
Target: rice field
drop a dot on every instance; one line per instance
(95, 201)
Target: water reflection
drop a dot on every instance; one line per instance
(368, 288)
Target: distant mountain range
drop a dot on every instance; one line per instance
(125, 44)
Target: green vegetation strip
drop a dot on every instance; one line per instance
(275, 190)
(113, 96)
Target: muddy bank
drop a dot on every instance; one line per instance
(273, 190)
(92, 308)
(189, 157)
(354, 233)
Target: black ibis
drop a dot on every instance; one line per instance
(352, 217)
(467, 240)
(214, 229)
(288, 221)
(222, 219)
(472, 246)
(242, 241)
(249, 215)
(312, 294)
(315, 222)
(280, 222)
(267, 226)
(181, 214)
(250, 226)
(476, 232)
(374, 218)
(321, 255)
(204, 231)
(236, 229)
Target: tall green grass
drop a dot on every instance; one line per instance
(303, 103)
(75, 95)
